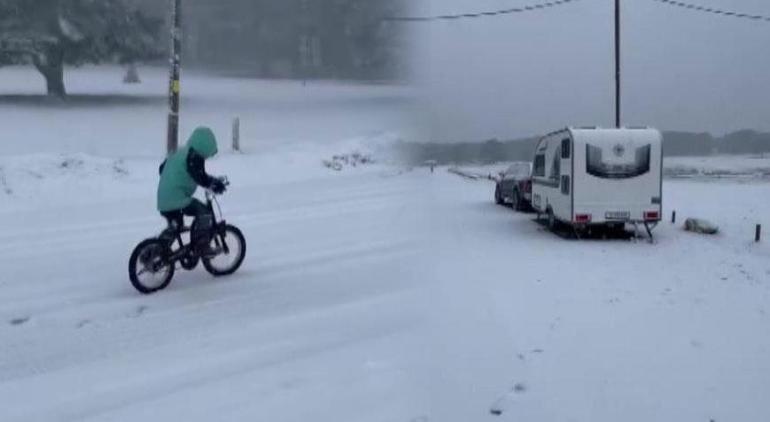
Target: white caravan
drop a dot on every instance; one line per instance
(590, 176)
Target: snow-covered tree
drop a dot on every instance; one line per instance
(52, 33)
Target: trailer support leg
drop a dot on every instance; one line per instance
(577, 234)
(649, 231)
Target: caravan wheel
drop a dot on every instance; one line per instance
(551, 220)
(498, 196)
(516, 200)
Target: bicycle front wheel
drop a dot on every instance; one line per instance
(231, 249)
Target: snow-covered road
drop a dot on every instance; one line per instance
(377, 296)
(320, 321)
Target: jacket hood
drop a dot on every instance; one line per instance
(203, 142)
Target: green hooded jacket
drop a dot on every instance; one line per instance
(177, 187)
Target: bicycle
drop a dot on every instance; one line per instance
(153, 261)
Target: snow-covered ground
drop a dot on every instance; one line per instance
(106, 140)
(747, 167)
(319, 323)
(600, 330)
(104, 117)
(368, 294)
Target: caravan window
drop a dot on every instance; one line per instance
(565, 148)
(556, 166)
(596, 166)
(539, 165)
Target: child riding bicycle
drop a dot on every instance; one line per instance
(180, 175)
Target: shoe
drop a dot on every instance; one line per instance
(207, 251)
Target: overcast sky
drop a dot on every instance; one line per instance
(526, 74)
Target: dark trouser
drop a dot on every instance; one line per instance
(200, 232)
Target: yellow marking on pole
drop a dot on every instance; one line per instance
(175, 87)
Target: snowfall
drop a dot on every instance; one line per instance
(370, 292)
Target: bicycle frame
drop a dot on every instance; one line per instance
(217, 229)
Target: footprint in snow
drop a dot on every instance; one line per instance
(19, 321)
(141, 309)
(523, 357)
(291, 384)
(555, 323)
(501, 404)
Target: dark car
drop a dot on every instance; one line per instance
(514, 186)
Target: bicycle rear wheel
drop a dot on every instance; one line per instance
(148, 269)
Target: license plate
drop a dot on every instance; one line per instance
(617, 215)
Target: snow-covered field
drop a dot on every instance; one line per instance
(104, 117)
(368, 294)
(601, 330)
(747, 167)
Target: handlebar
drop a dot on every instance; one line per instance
(225, 181)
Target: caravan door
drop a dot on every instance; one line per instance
(561, 176)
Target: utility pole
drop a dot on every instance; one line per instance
(172, 140)
(305, 41)
(617, 63)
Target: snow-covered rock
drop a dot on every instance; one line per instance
(699, 225)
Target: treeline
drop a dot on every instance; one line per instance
(341, 39)
(740, 142)
(493, 151)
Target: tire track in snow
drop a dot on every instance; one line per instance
(81, 238)
(11, 234)
(73, 292)
(29, 354)
(381, 251)
(4, 182)
(95, 401)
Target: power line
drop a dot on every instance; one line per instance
(523, 9)
(699, 8)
